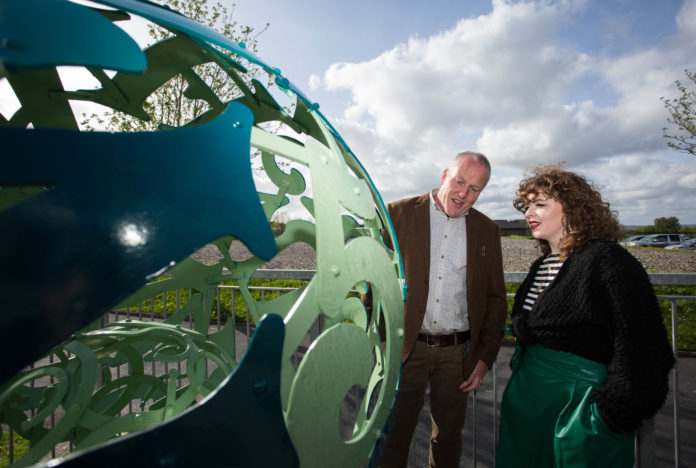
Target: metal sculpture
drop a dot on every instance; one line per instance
(85, 231)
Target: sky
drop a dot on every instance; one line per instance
(410, 83)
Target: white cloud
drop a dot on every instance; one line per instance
(642, 187)
(494, 68)
(314, 81)
(506, 84)
(686, 19)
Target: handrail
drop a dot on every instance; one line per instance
(657, 279)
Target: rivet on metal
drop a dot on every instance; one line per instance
(259, 386)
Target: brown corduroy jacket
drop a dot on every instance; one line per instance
(485, 284)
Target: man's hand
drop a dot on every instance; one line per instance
(475, 380)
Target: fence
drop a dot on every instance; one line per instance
(481, 431)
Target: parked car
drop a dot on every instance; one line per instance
(688, 245)
(627, 240)
(658, 240)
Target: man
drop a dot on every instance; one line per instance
(454, 311)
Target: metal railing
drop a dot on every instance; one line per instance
(484, 405)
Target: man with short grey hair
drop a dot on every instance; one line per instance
(454, 311)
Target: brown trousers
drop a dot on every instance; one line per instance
(442, 369)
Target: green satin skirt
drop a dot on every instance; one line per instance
(547, 420)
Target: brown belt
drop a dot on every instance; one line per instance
(445, 340)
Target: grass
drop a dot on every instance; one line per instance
(515, 236)
(659, 249)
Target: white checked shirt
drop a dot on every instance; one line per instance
(446, 311)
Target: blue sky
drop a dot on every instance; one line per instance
(410, 83)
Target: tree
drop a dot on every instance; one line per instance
(278, 222)
(667, 225)
(682, 115)
(645, 230)
(168, 106)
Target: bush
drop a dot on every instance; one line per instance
(240, 308)
(20, 447)
(157, 307)
(686, 315)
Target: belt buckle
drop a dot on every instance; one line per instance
(427, 341)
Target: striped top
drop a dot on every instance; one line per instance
(544, 275)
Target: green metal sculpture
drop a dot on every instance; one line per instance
(91, 219)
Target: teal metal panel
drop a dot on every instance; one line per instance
(76, 36)
(71, 252)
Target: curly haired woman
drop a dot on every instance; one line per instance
(592, 358)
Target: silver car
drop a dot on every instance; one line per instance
(628, 240)
(659, 240)
(688, 245)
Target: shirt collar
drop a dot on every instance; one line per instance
(435, 207)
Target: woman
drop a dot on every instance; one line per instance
(592, 358)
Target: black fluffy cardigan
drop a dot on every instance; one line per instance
(601, 306)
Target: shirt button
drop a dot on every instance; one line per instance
(442, 256)
(437, 300)
(445, 236)
(439, 277)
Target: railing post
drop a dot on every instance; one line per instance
(11, 446)
(645, 446)
(473, 427)
(675, 385)
(495, 410)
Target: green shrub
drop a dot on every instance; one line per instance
(686, 315)
(173, 303)
(20, 447)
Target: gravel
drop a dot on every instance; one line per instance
(518, 255)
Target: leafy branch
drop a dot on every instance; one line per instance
(681, 112)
